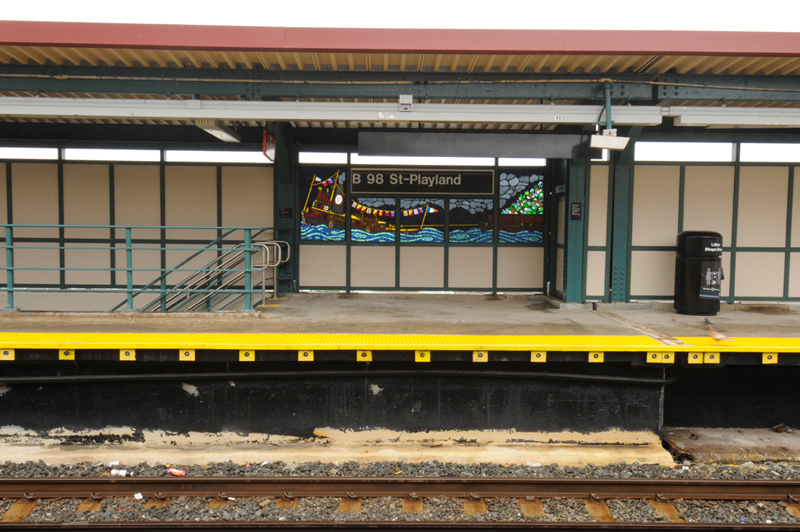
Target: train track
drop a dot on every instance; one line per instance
(287, 491)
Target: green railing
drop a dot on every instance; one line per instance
(229, 263)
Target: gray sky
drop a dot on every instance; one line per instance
(765, 15)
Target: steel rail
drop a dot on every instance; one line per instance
(353, 488)
(394, 526)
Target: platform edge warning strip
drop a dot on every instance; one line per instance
(338, 342)
(321, 341)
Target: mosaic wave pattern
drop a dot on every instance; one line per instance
(321, 233)
(359, 235)
(521, 237)
(428, 234)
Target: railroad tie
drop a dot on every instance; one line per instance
(19, 510)
(666, 510)
(89, 505)
(532, 507)
(474, 505)
(599, 511)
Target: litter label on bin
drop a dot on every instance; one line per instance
(710, 279)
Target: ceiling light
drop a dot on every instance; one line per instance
(219, 130)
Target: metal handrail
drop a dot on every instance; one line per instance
(205, 281)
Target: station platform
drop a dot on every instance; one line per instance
(427, 327)
(410, 363)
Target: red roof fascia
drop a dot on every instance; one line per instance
(354, 40)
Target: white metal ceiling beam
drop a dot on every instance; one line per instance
(734, 116)
(321, 111)
(122, 109)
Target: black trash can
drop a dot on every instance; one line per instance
(698, 273)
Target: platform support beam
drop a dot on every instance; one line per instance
(620, 218)
(575, 235)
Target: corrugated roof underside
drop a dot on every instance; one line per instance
(365, 62)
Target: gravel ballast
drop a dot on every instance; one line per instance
(391, 509)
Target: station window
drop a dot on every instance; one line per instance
(471, 220)
(421, 220)
(521, 207)
(323, 213)
(373, 219)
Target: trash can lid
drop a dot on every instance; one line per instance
(699, 244)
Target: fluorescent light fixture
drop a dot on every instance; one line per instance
(182, 156)
(321, 157)
(735, 116)
(714, 152)
(29, 153)
(219, 130)
(769, 153)
(83, 154)
(375, 160)
(520, 161)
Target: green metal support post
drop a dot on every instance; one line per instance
(10, 269)
(575, 224)
(622, 185)
(129, 267)
(248, 270)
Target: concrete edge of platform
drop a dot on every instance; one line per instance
(460, 447)
(781, 444)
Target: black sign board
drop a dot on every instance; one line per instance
(285, 212)
(575, 211)
(421, 182)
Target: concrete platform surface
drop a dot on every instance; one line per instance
(468, 314)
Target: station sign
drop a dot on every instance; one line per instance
(421, 182)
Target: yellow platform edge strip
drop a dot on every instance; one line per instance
(377, 342)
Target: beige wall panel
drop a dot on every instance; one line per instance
(726, 270)
(796, 209)
(34, 189)
(653, 273)
(323, 265)
(560, 270)
(656, 191)
(372, 267)
(561, 222)
(794, 275)
(762, 207)
(2, 270)
(595, 273)
(65, 302)
(37, 258)
(191, 200)
(520, 267)
(247, 197)
(759, 274)
(88, 258)
(708, 200)
(469, 267)
(143, 257)
(86, 199)
(3, 199)
(422, 267)
(598, 205)
(137, 199)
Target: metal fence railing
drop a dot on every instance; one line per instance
(193, 271)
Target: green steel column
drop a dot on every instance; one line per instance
(574, 236)
(286, 208)
(622, 186)
(129, 267)
(248, 270)
(10, 268)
